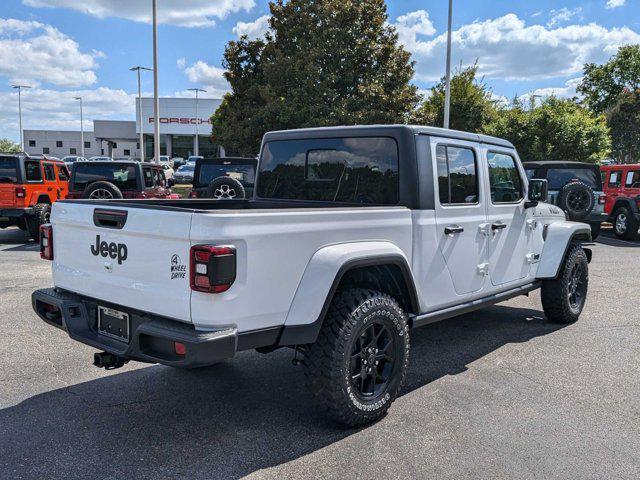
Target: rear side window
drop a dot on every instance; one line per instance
(32, 171)
(504, 178)
(633, 179)
(615, 178)
(351, 170)
(148, 177)
(559, 177)
(457, 175)
(8, 170)
(49, 173)
(122, 176)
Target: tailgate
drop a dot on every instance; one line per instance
(7, 195)
(143, 264)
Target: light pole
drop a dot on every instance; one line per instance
(197, 146)
(156, 100)
(81, 127)
(447, 90)
(19, 88)
(138, 68)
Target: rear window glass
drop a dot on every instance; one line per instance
(350, 170)
(8, 170)
(122, 176)
(33, 171)
(559, 177)
(245, 174)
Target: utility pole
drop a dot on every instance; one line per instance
(447, 91)
(138, 69)
(197, 145)
(156, 100)
(19, 88)
(81, 127)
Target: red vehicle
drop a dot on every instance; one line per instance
(622, 186)
(105, 180)
(28, 188)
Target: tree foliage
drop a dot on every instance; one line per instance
(322, 62)
(7, 146)
(624, 122)
(558, 129)
(472, 103)
(602, 85)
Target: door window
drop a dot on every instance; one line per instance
(504, 178)
(615, 178)
(49, 173)
(62, 173)
(633, 179)
(457, 175)
(148, 177)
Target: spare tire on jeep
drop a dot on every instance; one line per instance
(225, 188)
(102, 191)
(577, 200)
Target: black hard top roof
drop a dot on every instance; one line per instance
(370, 130)
(228, 160)
(558, 164)
(120, 162)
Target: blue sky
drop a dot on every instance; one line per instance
(68, 47)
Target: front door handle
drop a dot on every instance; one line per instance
(498, 226)
(453, 229)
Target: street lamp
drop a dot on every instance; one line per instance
(447, 90)
(19, 88)
(138, 68)
(81, 127)
(197, 147)
(156, 100)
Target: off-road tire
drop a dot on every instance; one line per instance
(595, 230)
(218, 186)
(328, 361)
(556, 292)
(631, 230)
(41, 215)
(101, 186)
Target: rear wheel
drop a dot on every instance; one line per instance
(41, 215)
(102, 191)
(359, 362)
(564, 297)
(625, 225)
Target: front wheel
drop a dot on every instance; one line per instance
(564, 297)
(358, 364)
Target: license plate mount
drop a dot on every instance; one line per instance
(113, 323)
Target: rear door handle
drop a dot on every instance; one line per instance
(453, 229)
(498, 226)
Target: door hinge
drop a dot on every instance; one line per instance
(484, 229)
(533, 257)
(532, 224)
(483, 269)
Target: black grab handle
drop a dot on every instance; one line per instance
(110, 218)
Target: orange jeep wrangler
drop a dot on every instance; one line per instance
(28, 187)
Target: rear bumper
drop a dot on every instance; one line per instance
(151, 337)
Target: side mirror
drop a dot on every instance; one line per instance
(538, 191)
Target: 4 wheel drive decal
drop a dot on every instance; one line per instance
(112, 250)
(178, 269)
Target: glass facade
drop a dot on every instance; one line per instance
(181, 146)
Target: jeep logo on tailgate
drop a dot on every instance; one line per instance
(113, 250)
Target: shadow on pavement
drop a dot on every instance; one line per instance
(225, 421)
(14, 236)
(608, 238)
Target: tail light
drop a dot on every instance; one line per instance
(46, 242)
(193, 194)
(602, 199)
(21, 192)
(213, 268)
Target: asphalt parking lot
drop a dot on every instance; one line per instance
(494, 394)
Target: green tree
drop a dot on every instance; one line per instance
(472, 104)
(559, 129)
(602, 85)
(624, 122)
(7, 146)
(322, 62)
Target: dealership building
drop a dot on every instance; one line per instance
(180, 128)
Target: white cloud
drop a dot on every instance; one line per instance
(33, 53)
(508, 49)
(58, 110)
(412, 25)
(186, 13)
(566, 91)
(209, 77)
(562, 15)
(256, 29)
(616, 3)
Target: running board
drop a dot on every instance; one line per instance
(433, 317)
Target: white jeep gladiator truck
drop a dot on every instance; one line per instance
(354, 236)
